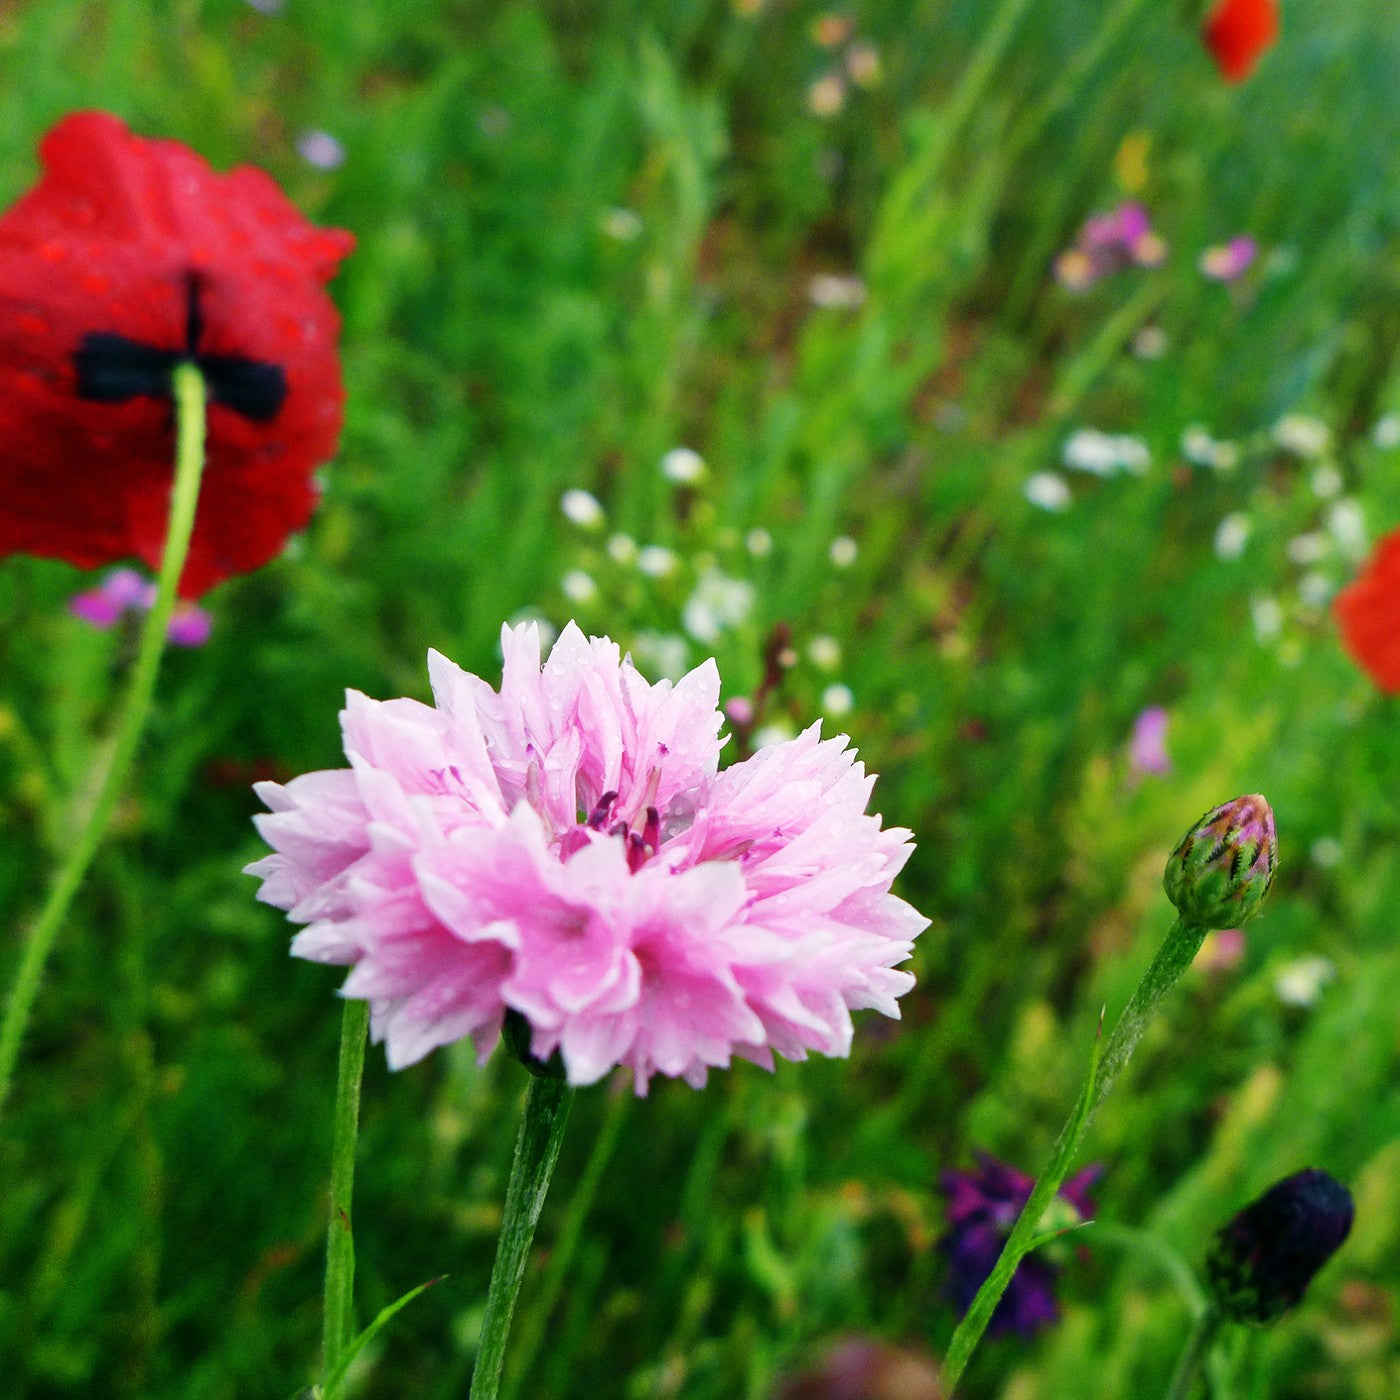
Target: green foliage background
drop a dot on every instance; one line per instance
(163, 1158)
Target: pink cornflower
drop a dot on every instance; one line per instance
(123, 591)
(1147, 749)
(565, 848)
(1226, 262)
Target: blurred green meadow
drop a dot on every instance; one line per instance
(822, 257)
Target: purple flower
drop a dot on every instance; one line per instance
(982, 1207)
(1147, 749)
(1108, 243)
(120, 592)
(1227, 261)
(566, 849)
(124, 592)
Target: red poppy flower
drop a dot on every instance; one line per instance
(1369, 613)
(1237, 32)
(127, 257)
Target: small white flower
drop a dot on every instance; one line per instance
(1386, 433)
(1326, 852)
(1348, 526)
(1310, 548)
(1048, 490)
(759, 543)
(1150, 343)
(718, 603)
(1105, 454)
(1088, 450)
(1303, 436)
(622, 549)
(683, 465)
(778, 731)
(582, 507)
(1133, 454)
(1202, 450)
(1315, 588)
(824, 652)
(1197, 446)
(837, 701)
(843, 551)
(827, 95)
(663, 653)
(1268, 617)
(321, 149)
(1231, 535)
(622, 224)
(1327, 483)
(831, 290)
(578, 587)
(1300, 983)
(656, 561)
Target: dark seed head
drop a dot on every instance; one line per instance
(1262, 1262)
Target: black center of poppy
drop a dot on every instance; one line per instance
(114, 368)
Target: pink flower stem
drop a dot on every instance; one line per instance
(110, 772)
(338, 1311)
(1173, 958)
(536, 1151)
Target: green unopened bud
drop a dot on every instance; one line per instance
(1223, 867)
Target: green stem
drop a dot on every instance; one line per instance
(338, 1311)
(1197, 1349)
(1173, 958)
(187, 386)
(536, 1151)
(561, 1253)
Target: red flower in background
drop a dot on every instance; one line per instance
(129, 256)
(1369, 613)
(1237, 32)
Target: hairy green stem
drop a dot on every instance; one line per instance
(338, 1310)
(562, 1250)
(1173, 958)
(1198, 1346)
(187, 386)
(536, 1151)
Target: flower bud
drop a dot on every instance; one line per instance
(1261, 1263)
(1222, 868)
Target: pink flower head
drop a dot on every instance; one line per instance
(566, 848)
(124, 592)
(1147, 749)
(1226, 262)
(121, 592)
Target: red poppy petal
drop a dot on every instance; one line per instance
(140, 244)
(1368, 613)
(1238, 32)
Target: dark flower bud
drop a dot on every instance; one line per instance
(1223, 867)
(1261, 1263)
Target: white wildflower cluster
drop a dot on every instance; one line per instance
(1105, 454)
(717, 604)
(1303, 436)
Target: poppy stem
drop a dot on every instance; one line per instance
(536, 1150)
(338, 1311)
(1109, 1057)
(1198, 1346)
(188, 389)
